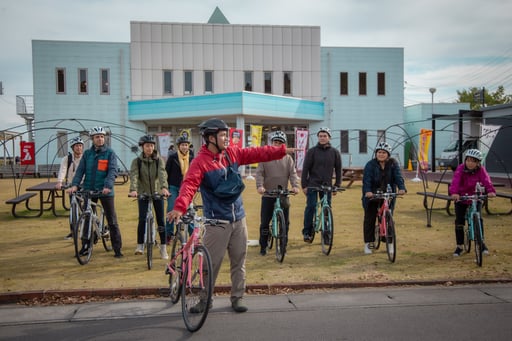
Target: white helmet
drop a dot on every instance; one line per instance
(97, 131)
(76, 140)
(325, 130)
(278, 136)
(474, 153)
(383, 146)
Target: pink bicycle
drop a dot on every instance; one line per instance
(385, 229)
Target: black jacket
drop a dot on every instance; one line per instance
(172, 166)
(320, 163)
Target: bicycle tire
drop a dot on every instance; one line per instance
(195, 292)
(105, 237)
(467, 238)
(390, 237)
(74, 215)
(83, 228)
(376, 243)
(327, 230)
(149, 241)
(280, 236)
(175, 280)
(479, 242)
(270, 236)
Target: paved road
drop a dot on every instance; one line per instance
(481, 312)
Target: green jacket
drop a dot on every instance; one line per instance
(147, 178)
(97, 168)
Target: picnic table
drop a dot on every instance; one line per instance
(48, 196)
(352, 174)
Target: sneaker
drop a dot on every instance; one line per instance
(200, 307)
(263, 251)
(163, 252)
(69, 236)
(238, 305)
(84, 251)
(485, 251)
(140, 249)
(118, 254)
(457, 252)
(308, 239)
(367, 250)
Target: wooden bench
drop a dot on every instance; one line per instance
(435, 196)
(499, 195)
(8, 171)
(46, 171)
(22, 198)
(352, 174)
(26, 170)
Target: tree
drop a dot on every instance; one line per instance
(474, 97)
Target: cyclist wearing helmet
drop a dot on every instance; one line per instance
(147, 175)
(269, 176)
(464, 181)
(176, 167)
(68, 166)
(215, 172)
(97, 171)
(320, 163)
(381, 171)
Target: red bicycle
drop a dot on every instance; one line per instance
(385, 229)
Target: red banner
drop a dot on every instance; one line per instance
(236, 137)
(28, 153)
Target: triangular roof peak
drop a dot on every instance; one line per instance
(218, 17)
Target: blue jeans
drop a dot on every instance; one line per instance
(310, 211)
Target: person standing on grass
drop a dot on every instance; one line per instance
(98, 169)
(464, 181)
(177, 166)
(378, 173)
(147, 175)
(269, 176)
(215, 172)
(320, 163)
(68, 166)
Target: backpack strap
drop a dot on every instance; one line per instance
(70, 161)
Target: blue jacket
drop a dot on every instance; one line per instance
(374, 178)
(99, 167)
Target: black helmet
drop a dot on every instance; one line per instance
(182, 139)
(212, 126)
(146, 139)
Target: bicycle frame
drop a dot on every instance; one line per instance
(474, 214)
(278, 223)
(149, 231)
(386, 226)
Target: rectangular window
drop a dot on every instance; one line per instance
(208, 82)
(362, 83)
(248, 80)
(343, 83)
(105, 81)
(344, 141)
(167, 82)
(287, 80)
(363, 143)
(268, 82)
(82, 81)
(60, 75)
(188, 82)
(381, 83)
(62, 143)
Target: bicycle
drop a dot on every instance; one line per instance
(278, 224)
(90, 227)
(190, 270)
(322, 220)
(75, 208)
(149, 226)
(473, 229)
(385, 228)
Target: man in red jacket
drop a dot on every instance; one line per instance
(215, 171)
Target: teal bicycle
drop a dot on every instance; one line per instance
(322, 220)
(473, 229)
(278, 226)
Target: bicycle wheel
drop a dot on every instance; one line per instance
(467, 239)
(83, 235)
(104, 232)
(270, 236)
(390, 237)
(74, 215)
(376, 243)
(327, 230)
(196, 294)
(175, 280)
(280, 236)
(479, 242)
(149, 241)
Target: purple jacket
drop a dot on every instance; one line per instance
(464, 181)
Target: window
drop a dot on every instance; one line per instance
(362, 83)
(82, 81)
(208, 82)
(248, 80)
(62, 143)
(344, 83)
(287, 80)
(188, 82)
(167, 82)
(268, 82)
(381, 83)
(344, 141)
(61, 81)
(105, 82)
(363, 143)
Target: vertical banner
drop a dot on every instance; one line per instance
(164, 141)
(487, 136)
(301, 142)
(256, 133)
(236, 137)
(28, 152)
(424, 145)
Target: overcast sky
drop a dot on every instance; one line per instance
(450, 44)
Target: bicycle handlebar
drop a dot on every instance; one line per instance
(385, 195)
(326, 189)
(479, 197)
(279, 192)
(145, 196)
